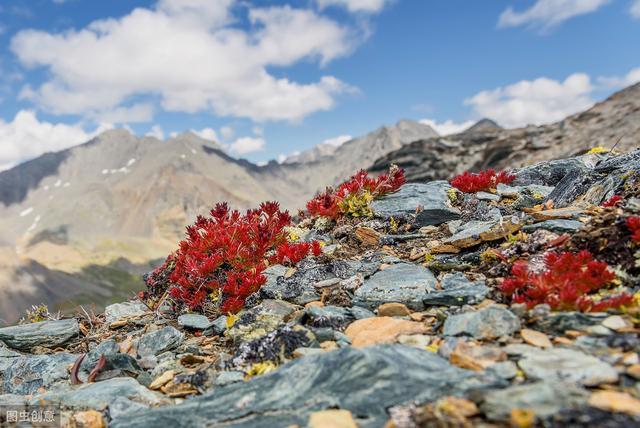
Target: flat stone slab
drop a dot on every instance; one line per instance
(364, 381)
(457, 290)
(401, 283)
(431, 197)
(476, 231)
(194, 321)
(45, 333)
(26, 374)
(567, 365)
(487, 323)
(558, 226)
(99, 395)
(118, 311)
(159, 341)
(543, 398)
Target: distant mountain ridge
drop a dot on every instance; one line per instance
(612, 122)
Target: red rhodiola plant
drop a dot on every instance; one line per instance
(469, 182)
(224, 255)
(613, 201)
(359, 189)
(565, 284)
(633, 223)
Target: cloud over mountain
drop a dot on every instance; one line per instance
(190, 55)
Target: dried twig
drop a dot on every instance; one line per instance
(75, 369)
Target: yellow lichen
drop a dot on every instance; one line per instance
(597, 149)
(231, 319)
(258, 369)
(394, 225)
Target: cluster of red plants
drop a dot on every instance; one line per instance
(613, 201)
(633, 223)
(329, 203)
(469, 182)
(565, 283)
(225, 254)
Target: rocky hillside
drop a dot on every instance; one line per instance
(613, 122)
(91, 216)
(503, 301)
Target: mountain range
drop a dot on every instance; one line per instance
(79, 226)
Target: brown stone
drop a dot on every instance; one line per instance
(474, 357)
(613, 401)
(393, 310)
(535, 338)
(314, 304)
(634, 371)
(372, 331)
(89, 419)
(162, 380)
(334, 418)
(367, 236)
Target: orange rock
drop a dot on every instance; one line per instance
(372, 331)
(634, 371)
(612, 401)
(393, 310)
(522, 418)
(367, 236)
(535, 338)
(332, 419)
(314, 304)
(89, 419)
(473, 357)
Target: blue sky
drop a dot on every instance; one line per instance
(266, 78)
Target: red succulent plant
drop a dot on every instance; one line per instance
(224, 255)
(564, 284)
(330, 202)
(469, 182)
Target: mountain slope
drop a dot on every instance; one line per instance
(615, 121)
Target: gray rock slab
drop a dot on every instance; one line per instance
(159, 341)
(100, 395)
(543, 398)
(457, 290)
(26, 374)
(45, 333)
(402, 283)
(558, 226)
(364, 381)
(194, 321)
(432, 197)
(487, 323)
(118, 311)
(567, 365)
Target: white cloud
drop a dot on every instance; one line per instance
(227, 132)
(628, 79)
(258, 130)
(207, 133)
(156, 131)
(142, 112)
(635, 9)
(192, 57)
(546, 14)
(337, 141)
(366, 6)
(536, 101)
(447, 127)
(27, 137)
(245, 145)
